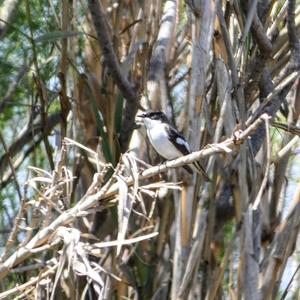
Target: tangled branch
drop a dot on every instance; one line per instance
(111, 188)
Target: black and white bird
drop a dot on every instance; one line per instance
(167, 141)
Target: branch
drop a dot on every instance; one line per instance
(28, 136)
(13, 171)
(281, 248)
(251, 11)
(292, 33)
(157, 76)
(43, 235)
(109, 54)
(224, 147)
(284, 294)
(126, 88)
(234, 72)
(43, 112)
(7, 99)
(7, 176)
(267, 88)
(109, 189)
(272, 92)
(265, 46)
(263, 42)
(24, 286)
(201, 49)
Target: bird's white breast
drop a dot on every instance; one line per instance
(160, 141)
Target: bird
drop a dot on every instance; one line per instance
(167, 141)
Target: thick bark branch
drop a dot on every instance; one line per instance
(157, 76)
(109, 54)
(126, 88)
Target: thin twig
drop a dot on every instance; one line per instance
(266, 175)
(44, 234)
(284, 294)
(234, 73)
(13, 87)
(108, 189)
(225, 147)
(28, 136)
(250, 14)
(13, 171)
(32, 281)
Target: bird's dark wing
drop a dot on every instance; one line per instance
(181, 144)
(178, 141)
(188, 169)
(199, 168)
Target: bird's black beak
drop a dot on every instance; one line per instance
(141, 116)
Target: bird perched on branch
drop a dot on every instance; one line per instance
(167, 141)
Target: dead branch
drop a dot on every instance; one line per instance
(7, 99)
(104, 39)
(30, 133)
(109, 189)
(30, 282)
(292, 33)
(157, 76)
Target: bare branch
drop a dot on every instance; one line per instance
(108, 189)
(284, 294)
(157, 76)
(11, 167)
(281, 248)
(292, 33)
(225, 147)
(7, 99)
(111, 60)
(28, 136)
(32, 281)
(109, 54)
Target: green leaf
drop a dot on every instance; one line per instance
(100, 124)
(56, 35)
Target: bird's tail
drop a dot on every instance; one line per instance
(200, 170)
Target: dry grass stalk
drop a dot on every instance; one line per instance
(110, 223)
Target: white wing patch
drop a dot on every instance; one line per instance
(181, 141)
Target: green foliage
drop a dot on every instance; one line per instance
(101, 127)
(55, 36)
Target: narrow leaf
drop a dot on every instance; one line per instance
(56, 35)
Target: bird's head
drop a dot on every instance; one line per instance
(155, 116)
(152, 118)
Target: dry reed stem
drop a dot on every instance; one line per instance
(110, 189)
